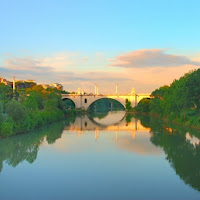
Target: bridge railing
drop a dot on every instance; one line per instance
(143, 94)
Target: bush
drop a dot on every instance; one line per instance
(6, 128)
(40, 107)
(128, 106)
(15, 110)
(144, 105)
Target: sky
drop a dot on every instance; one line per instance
(136, 44)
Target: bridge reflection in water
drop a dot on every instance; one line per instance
(112, 122)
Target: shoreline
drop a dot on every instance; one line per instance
(165, 119)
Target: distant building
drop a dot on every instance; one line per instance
(45, 86)
(4, 81)
(57, 85)
(27, 81)
(21, 84)
(53, 85)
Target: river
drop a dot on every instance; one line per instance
(104, 156)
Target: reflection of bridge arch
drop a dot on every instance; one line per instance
(84, 101)
(105, 126)
(84, 123)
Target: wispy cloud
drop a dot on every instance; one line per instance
(138, 69)
(151, 58)
(85, 58)
(57, 62)
(58, 68)
(25, 64)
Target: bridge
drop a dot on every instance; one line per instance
(84, 101)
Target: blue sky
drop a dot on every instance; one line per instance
(95, 32)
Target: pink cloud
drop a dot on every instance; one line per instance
(150, 58)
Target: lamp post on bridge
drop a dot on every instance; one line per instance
(133, 91)
(96, 91)
(117, 89)
(13, 86)
(79, 91)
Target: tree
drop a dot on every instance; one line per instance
(128, 105)
(6, 128)
(144, 105)
(31, 103)
(193, 88)
(5, 92)
(15, 110)
(1, 111)
(39, 99)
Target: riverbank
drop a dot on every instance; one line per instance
(29, 109)
(178, 103)
(166, 120)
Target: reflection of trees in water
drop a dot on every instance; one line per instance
(98, 115)
(183, 156)
(70, 118)
(15, 150)
(128, 118)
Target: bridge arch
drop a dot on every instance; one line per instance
(121, 104)
(71, 104)
(148, 98)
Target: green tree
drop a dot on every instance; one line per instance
(6, 129)
(51, 104)
(15, 110)
(144, 105)
(193, 88)
(1, 111)
(31, 102)
(128, 105)
(5, 92)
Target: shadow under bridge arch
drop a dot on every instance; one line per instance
(144, 99)
(106, 104)
(69, 103)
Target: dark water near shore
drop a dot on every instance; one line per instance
(106, 156)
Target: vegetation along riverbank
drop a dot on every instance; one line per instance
(178, 103)
(29, 108)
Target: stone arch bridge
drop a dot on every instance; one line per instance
(83, 101)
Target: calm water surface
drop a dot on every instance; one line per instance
(107, 156)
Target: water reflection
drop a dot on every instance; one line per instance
(112, 121)
(129, 135)
(181, 146)
(135, 135)
(17, 149)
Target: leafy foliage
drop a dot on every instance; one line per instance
(35, 107)
(128, 105)
(144, 105)
(178, 102)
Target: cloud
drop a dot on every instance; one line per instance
(150, 58)
(61, 61)
(57, 62)
(70, 70)
(85, 58)
(26, 64)
(58, 68)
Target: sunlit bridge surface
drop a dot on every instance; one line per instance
(102, 156)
